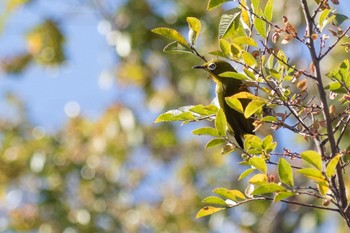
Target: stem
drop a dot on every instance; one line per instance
(323, 97)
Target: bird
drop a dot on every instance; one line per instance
(238, 125)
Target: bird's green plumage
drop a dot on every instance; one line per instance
(225, 87)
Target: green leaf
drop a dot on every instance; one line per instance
(283, 195)
(229, 23)
(285, 172)
(269, 119)
(174, 115)
(195, 27)
(331, 166)
(268, 188)
(246, 173)
(213, 200)
(244, 40)
(249, 73)
(215, 3)
(204, 110)
(206, 131)
(253, 107)
(235, 75)
(268, 144)
(258, 163)
(339, 19)
(225, 47)
(323, 16)
(171, 34)
(258, 179)
(208, 210)
(260, 25)
(214, 142)
(221, 123)
(176, 48)
(249, 59)
(229, 194)
(234, 103)
(269, 10)
(313, 158)
(313, 174)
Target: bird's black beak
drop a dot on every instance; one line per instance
(198, 67)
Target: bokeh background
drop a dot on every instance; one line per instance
(81, 83)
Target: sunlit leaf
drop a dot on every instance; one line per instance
(249, 59)
(282, 195)
(214, 142)
(176, 48)
(195, 27)
(206, 131)
(285, 172)
(313, 158)
(258, 163)
(244, 40)
(213, 200)
(215, 3)
(253, 107)
(221, 123)
(246, 173)
(235, 75)
(208, 210)
(268, 188)
(234, 103)
(269, 10)
(229, 23)
(313, 174)
(331, 166)
(260, 24)
(258, 179)
(171, 34)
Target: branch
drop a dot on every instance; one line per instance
(334, 44)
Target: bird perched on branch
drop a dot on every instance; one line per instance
(225, 87)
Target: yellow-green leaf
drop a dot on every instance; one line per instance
(208, 210)
(206, 131)
(258, 179)
(221, 123)
(331, 167)
(234, 103)
(269, 10)
(229, 23)
(235, 75)
(258, 163)
(249, 59)
(244, 40)
(253, 107)
(285, 172)
(260, 25)
(195, 27)
(245, 15)
(215, 3)
(213, 200)
(176, 48)
(313, 158)
(246, 173)
(171, 34)
(268, 188)
(282, 195)
(323, 187)
(214, 142)
(313, 174)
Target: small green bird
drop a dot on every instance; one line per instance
(225, 87)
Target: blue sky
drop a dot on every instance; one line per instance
(86, 79)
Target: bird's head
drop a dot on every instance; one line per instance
(216, 67)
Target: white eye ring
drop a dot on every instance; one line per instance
(212, 66)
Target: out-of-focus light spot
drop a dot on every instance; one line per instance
(171, 17)
(37, 162)
(99, 144)
(156, 104)
(72, 109)
(248, 219)
(123, 45)
(38, 132)
(14, 198)
(11, 153)
(93, 161)
(105, 80)
(100, 205)
(112, 37)
(69, 230)
(127, 120)
(87, 173)
(133, 217)
(3, 224)
(103, 27)
(54, 180)
(45, 228)
(83, 216)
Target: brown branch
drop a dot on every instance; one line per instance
(334, 44)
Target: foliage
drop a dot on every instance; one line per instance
(249, 36)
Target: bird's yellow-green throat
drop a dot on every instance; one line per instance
(225, 87)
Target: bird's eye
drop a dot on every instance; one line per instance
(212, 66)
